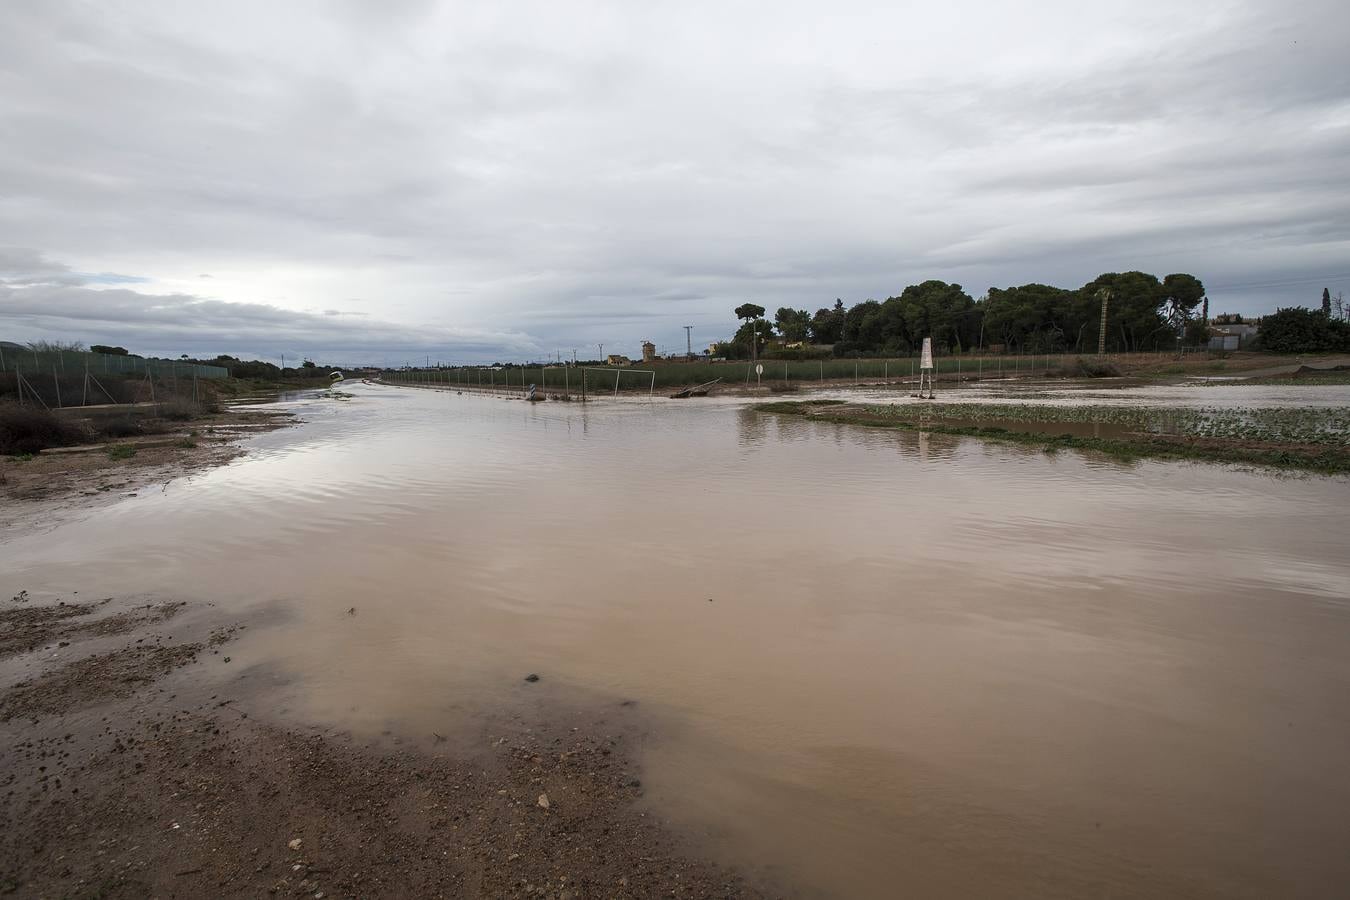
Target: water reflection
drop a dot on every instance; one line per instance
(931, 665)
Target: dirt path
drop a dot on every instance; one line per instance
(125, 778)
(1316, 362)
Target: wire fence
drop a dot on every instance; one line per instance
(39, 363)
(598, 381)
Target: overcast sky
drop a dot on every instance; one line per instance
(381, 181)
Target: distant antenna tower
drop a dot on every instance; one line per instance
(602, 351)
(1101, 333)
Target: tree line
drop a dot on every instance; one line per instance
(1144, 312)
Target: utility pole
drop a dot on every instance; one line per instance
(689, 341)
(1101, 333)
(574, 356)
(602, 352)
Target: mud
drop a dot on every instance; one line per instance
(118, 785)
(25, 628)
(38, 490)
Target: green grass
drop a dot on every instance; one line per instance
(121, 451)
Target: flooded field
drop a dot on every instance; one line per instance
(878, 663)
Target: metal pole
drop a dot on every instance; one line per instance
(616, 382)
(56, 382)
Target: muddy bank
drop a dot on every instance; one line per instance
(124, 777)
(36, 487)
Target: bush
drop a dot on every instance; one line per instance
(1095, 368)
(121, 451)
(180, 409)
(1298, 330)
(28, 429)
(118, 428)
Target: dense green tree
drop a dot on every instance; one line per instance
(936, 309)
(827, 325)
(1034, 317)
(749, 311)
(744, 339)
(793, 324)
(1298, 330)
(111, 351)
(1134, 310)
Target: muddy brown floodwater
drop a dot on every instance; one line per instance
(879, 664)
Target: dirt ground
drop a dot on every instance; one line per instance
(122, 777)
(35, 490)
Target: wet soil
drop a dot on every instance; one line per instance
(38, 489)
(116, 784)
(1111, 439)
(27, 627)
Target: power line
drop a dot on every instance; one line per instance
(1284, 283)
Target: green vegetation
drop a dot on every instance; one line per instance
(1143, 313)
(27, 429)
(1307, 438)
(121, 451)
(1303, 331)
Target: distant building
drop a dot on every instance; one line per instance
(1231, 335)
(615, 359)
(648, 352)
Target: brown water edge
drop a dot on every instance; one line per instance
(137, 760)
(881, 662)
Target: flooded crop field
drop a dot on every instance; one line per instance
(861, 662)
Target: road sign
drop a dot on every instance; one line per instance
(759, 369)
(926, 360)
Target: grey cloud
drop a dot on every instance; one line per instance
(498, 172)
(178, 323)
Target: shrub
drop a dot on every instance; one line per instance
(1297, 330)
(121, 451)
(1095, 368)
(118, 428)
(28, 429)
(179, 409)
